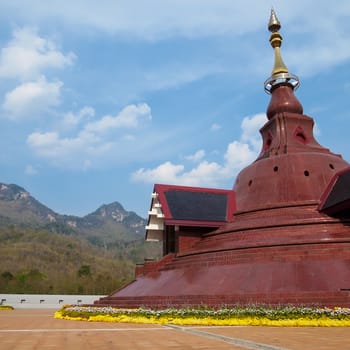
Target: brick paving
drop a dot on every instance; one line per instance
(37, 329)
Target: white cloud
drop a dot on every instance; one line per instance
(238, 155)
(196, 157)
(159, 20)
(175, 74)
(317, 130)
(319, 54)
(152, 19)
(43, 140)
(91, 144)
(75, 152)
(321, 38)
(30, 170)
(129, 117)
(71, 120)
(32, 97)
(155, 19)
(250, 126)
(27, 55)
(205, 174)
(129, 137)
(215, 127)
(166, 172)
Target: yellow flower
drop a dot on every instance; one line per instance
(206, 317)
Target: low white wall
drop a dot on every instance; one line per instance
(45, 301)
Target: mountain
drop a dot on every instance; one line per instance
(108, 224)
(19, 207)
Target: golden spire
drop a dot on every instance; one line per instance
(280, 73)
(274, 23)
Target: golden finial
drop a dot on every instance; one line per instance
(280, 73)
(274, 23)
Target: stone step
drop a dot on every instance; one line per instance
(330, 299)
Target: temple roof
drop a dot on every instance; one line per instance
(188, 206)
(335, 200)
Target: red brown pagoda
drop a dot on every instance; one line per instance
(281, 236)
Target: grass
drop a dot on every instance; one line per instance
(229, 316)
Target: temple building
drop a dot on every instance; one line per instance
(280, 236)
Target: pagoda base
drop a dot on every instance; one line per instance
(303, 258)
(312, 299)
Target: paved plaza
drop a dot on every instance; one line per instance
(25, 329)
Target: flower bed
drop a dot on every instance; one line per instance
(233, 316)
(6, 307)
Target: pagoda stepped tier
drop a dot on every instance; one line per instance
(305, 262)
(281, 236)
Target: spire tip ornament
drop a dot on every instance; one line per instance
(274, 23)
(280, 73)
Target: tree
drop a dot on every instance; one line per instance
(7, 276)
(84, 271)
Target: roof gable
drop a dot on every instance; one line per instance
(335, 200)
(188, 206)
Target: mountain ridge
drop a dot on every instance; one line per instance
(17, 206)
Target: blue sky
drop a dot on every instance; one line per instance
(99, 100)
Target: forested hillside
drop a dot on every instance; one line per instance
(37, 261)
